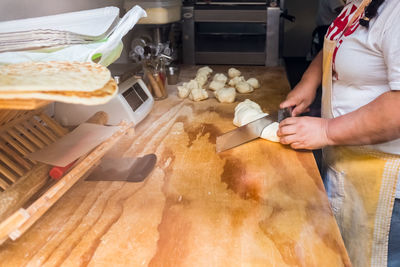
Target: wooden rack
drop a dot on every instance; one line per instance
(23, 104)
(23, 132)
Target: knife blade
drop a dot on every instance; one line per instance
(250, 131)
(245, 133)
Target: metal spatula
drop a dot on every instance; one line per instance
(124, 169)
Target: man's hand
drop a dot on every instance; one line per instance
(300, 98)
(304, 132)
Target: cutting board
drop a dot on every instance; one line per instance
(260, 204)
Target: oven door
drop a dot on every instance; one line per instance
(230, 43)
(248, 35)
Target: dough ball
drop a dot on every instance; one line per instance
(220, 77)
(235, 80)
(244, 87)
(246, 115)
(186, 88)
(198, 94)
(193, 84)
(215, 85)
(232, 73)
(226, 95)
(269, 132)
(254, 83)
(201, 79)
(247, 111)
(204, 70)
(183, 91)
(248, 103)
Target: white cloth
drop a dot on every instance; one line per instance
(367, 64)
(327, 11)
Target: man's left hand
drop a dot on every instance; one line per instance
(304, 132)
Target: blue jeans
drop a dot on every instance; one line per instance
(394, 237)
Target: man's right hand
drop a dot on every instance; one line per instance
(300, 98)
(303, 94)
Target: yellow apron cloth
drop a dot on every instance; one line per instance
(360, 183)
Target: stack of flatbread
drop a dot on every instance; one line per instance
(71, 82)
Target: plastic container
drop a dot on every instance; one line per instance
(158, 11)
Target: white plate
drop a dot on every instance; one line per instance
(91, 22)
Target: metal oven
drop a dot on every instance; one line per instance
(232, 32)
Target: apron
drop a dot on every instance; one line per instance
(360, 184)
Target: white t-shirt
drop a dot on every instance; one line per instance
(366, 61)
(327, 11)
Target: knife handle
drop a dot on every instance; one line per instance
(57, 172)
(284, 113)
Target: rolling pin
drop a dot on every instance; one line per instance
(160, 82)
(154, 84)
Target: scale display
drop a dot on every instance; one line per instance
(135, 96)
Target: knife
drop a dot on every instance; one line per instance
(250, 131)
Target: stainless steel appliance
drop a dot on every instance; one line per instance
(132, 103)
(232, 32)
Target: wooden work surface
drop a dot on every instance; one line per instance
(260, 204)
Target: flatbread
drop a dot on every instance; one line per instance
(53, 76)
(96, 97)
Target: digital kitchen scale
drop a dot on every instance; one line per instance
(132, 104)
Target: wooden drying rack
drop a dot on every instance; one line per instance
(23, 132)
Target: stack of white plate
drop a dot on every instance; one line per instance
(81, 27)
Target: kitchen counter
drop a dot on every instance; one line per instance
(260, 204)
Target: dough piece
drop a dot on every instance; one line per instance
(244, 87)
(269, 132)
(201, 79)
(193, 84)
(235, 80)
(198, 94)
(186, 88)
(247, 103)
(215, 85)
(247, 111)
(183, 91)
(254, 83)
(220, 77)
(204, 70)
(226, 95)
(246, 116)
(232, 73)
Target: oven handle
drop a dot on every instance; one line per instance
(285, 15)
